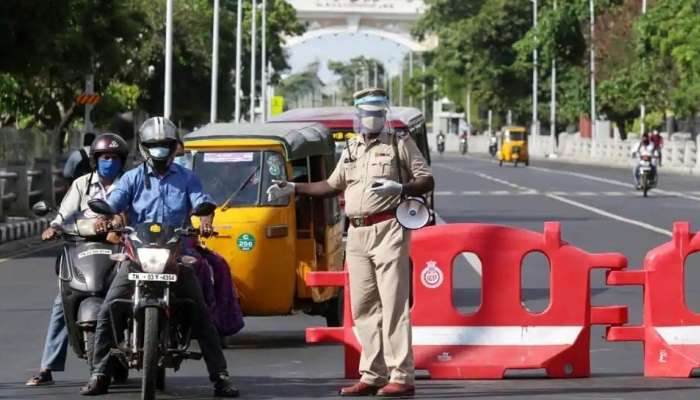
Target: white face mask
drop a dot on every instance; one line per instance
(373, 124)
(159, 152)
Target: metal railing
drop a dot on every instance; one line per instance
(24, 183)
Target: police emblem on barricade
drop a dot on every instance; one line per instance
(432, 275)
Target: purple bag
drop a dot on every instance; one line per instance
(228, 315)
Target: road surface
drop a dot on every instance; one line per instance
(599, 212)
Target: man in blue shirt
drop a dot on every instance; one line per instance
(162, 192)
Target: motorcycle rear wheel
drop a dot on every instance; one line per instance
(150, 354)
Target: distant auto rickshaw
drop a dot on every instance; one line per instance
(514, 146)
(272, 245)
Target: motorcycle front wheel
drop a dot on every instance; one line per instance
(150, 354)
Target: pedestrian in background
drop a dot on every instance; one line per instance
(78, 163)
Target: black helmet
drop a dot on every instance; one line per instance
(109, 143)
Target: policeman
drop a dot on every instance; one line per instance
(370, 173)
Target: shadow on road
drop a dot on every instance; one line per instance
(259, 387)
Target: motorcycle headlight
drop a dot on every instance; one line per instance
(153, 260)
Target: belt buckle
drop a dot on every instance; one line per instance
(357, 222)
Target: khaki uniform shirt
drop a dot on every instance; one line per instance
(362, 163)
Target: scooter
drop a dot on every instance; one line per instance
(647, 177)
(441, 144)
(493, 148)
(463, 145)
(152, 328)
(85, 272)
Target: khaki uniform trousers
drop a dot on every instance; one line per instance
(378, 267)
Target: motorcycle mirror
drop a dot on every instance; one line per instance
(204, 209)
(41, 208)
(99, 206)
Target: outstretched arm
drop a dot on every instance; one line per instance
(316, 189)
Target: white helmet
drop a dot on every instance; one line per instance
(158, 141)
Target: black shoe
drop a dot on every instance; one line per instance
(97, 385)
(44, 378)
(224, 388)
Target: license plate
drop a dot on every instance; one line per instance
(141, 276)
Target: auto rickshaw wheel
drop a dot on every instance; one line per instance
(527, 163)
(335, 310)
(500, 163)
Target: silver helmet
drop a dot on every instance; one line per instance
(158, 141)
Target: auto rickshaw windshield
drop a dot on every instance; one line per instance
(516, 136)
(240, 178)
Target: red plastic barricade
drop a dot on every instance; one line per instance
(501, 334)
(670, 331)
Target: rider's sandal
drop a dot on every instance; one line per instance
(44, 378)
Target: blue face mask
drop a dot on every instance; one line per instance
(182, 161)
(159, 152)
(109, 169)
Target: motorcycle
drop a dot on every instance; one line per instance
(441, 144)
(647, 177)
(493, 148)
(463, 145)
(85, 272)
(152, 328)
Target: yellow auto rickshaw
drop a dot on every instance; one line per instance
(271, 245)
(513, 146)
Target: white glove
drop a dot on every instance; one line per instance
(386, 188)
(280, 189)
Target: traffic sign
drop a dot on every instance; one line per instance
(88, 99)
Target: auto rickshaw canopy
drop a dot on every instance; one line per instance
(300, 140)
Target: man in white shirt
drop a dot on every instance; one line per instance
(107, 156)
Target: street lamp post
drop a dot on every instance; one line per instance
(253, 43)
(410, 74)
(215, 64)
(263, 74)
(239, 34)
(167, 101)
(553, 104)
(535, 77)
(593, 108)
(642, 107)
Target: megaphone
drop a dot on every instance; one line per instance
(413, 213)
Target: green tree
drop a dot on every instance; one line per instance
(357, 68)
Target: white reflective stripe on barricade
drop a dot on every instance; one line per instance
(494, 335)
(678, 335)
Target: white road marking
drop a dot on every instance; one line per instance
(617, 183)
(611, 215)
(595, 210)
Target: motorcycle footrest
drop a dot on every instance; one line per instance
(191, 355)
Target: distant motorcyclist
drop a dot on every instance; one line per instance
(440, 140)
(493, 144)
(78, 163)
(107, 156)
(163, 192)
(658, 142)
(644, 148)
